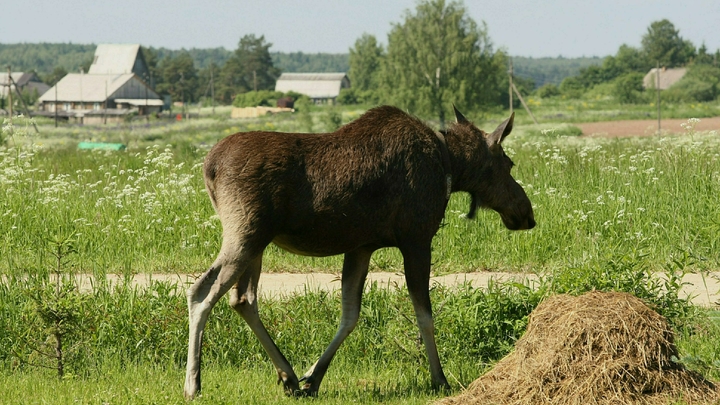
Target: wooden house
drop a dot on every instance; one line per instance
(25, 81)
(117, 85)
(95, 97)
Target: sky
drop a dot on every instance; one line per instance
(549, 28)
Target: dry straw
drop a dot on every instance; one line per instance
(598, 348)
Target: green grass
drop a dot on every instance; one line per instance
(224, 385)
(145, 209)
(128, 346)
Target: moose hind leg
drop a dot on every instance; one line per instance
(243, 299)
(355, 268)
(201, 298)
(417, 277)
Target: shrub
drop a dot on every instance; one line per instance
(628, 88)
(347, 97)
(571, 87)
(257, 98)
(548, 90)
(701, 83)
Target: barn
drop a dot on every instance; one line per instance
(319, 87)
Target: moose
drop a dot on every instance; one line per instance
(383, 180)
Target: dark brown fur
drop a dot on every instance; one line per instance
(376, 182)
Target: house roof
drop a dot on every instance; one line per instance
(22, 79)
(114, 58)
(313, 85)
(86, 87)
(668, 77)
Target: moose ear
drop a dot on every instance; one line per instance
(459, 117)
(502, 131)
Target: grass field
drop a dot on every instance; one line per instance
(609, 213)
(145, 209)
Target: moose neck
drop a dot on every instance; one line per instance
(468, 153)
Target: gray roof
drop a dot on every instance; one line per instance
(668, 77)
(27, 80)
(313, 85)
(114, 58)
(90, 87)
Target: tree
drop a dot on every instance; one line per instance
(250, 68)
(439, 56)
(365, 60)
(179, 77)
(58, 73)
(662, 43)
(151, 59)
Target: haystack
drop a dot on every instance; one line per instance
(598, 348)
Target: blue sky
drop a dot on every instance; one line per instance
(570, 28)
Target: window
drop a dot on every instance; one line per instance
(96, 106)
(66, 106)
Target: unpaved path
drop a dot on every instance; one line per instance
(705, 290)
(615, 129)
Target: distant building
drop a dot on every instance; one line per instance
(95, 97)
(120, 59)
(117, 84)
(668, 77)
(26, 81)
(319, 87)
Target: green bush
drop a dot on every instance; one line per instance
(347, 97)
(628, 88)
(257, 98)
(548, 90)
(701, 83)
(572, 87)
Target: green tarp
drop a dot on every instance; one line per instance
(101, 145)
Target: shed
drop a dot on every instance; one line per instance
(320, 87)
(668, 77)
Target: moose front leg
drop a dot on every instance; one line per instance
(417, 277)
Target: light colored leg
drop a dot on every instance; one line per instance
(243, 299)
(201, 298)
(417, 277)
(355, 268)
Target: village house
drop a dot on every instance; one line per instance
(26, 82)
(319, 87)
(117, 85)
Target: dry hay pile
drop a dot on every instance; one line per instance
(598, 348)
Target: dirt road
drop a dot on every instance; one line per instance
(704, 290)
(644, 127)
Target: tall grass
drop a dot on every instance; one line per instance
(145, 209)
(129, 332)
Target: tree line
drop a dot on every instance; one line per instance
(621, 75)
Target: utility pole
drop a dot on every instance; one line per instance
(147, 116)
(212, 88)
(657, 73)
(9, 93)
(510, 88)
(105, 105)
(82, 104)
(22, 100)
(56, 103)
(255, 80)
